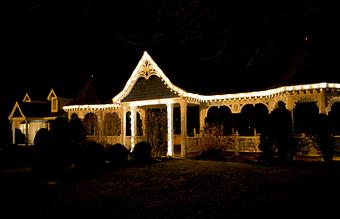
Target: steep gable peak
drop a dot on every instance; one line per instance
(146, 68)
(15, 109)
(51, 94)
(26, 98)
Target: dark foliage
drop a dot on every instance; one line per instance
(14, 156)
(42, 137)
(212, 153)
(76, 130)
(325, 138)
(116, 154)
(156, 131)
(280, 129)
(90, 157)
(50, 160)
(19, 137)
(142, 152)
(59, 130)
(267, 147)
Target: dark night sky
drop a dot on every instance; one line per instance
(205, 46)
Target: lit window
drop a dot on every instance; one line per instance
(54, 106)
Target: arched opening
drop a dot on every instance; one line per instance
(139, 125)
(177, 119)
(221, 118)
(91, 124)
(261, 118)
(112, 124)
(193, 120)
(306, 118)
(252, 120)
(246, 121)
(128, 124)
(334, 116)
(156, 130)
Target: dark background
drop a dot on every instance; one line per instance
(204, 46)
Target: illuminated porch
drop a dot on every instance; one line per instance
(148, 87)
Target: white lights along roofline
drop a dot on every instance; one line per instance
(265, 93)
(91, 106)
(210, 98)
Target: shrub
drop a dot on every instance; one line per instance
(142, 152)
(307, 144)
(14, 156)
(50, 159)
(267, 147)
(90, 157)
(116, 153)
(211, 146)
(212, 153)
(326, 146)
(42, 137)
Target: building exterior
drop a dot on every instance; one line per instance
(148, 87)
(28, 115)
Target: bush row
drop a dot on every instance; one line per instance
(87, 157)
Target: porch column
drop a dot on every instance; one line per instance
(123, 125)
(203, 115)
(133, 127)
(183, 128)
(292, 116)
(290, 106)
(170, 116)
(322, 103)
(13, 132)
(100, 124)
(26, 132)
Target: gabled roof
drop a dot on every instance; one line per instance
(26, 98)
(51, 94)
(35, 109)
(16, 111)
(149, 89)
(138, 82)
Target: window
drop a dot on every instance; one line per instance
(54, 104)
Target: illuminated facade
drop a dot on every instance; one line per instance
(28, 116)
(149, 87)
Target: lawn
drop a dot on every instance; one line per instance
(180, 189)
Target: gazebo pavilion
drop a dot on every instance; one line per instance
(149, 87)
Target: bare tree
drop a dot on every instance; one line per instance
(156, 131)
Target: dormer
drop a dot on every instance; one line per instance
(52, 97)
(26, 98)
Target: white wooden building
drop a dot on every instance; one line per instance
(149, 87)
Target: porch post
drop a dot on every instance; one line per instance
(13, 132)
(292, 116)
(183, 106)
(170, 116)
(123, 125)
(100, 124)
(26, 132)
(322, 103)
(203, 115)
(133, 127)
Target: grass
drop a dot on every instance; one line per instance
(181, 189)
